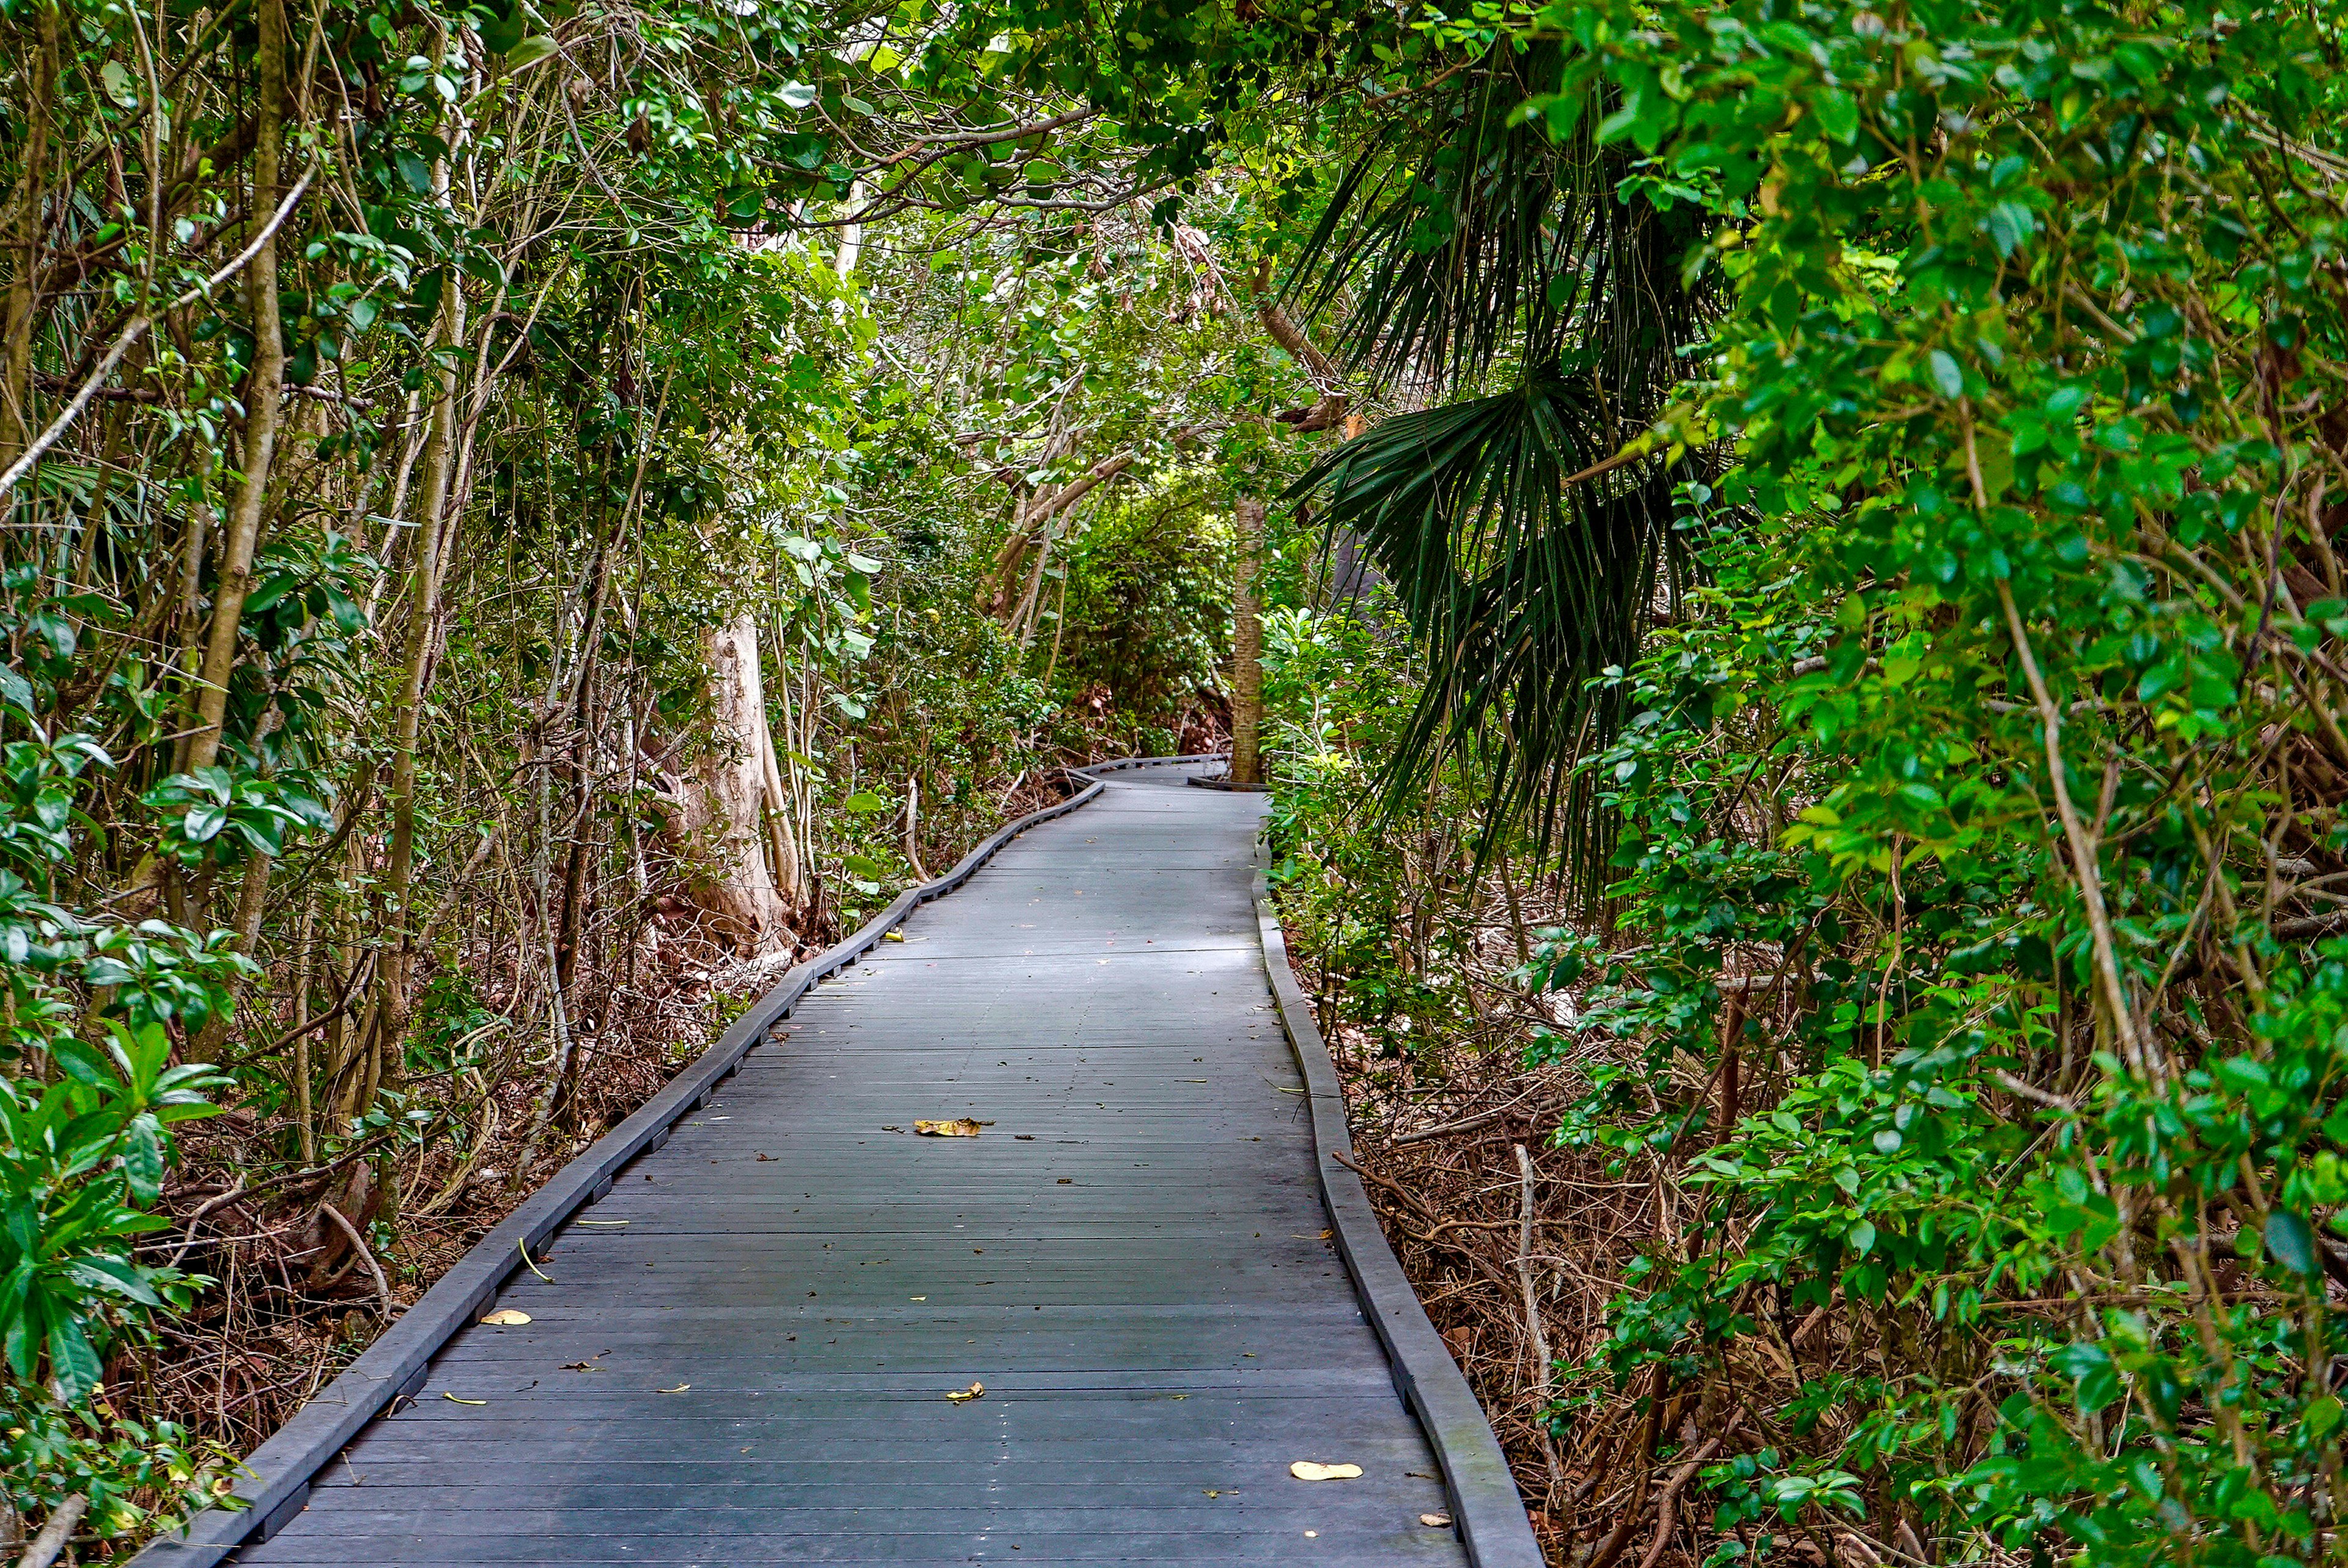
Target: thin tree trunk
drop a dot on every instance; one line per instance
(434, 534)
(263, 392)
(1247, 643)
(17, 379)
(574, 872)
(308, 1127)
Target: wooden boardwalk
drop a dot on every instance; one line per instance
(743, 1353)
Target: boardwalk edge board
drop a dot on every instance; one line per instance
(1484, 1504)
(276, 1480)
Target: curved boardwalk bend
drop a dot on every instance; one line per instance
(743, 1352)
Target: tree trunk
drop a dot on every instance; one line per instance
(264, 392)
(728, 798)
(1247, 643)
(16, 424)
(435, 533)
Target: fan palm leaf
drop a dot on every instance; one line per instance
(1521, 588)
(1459, 250)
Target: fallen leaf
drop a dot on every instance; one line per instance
(581, 1367)
(1067, 1181)
(960, 1127)
(681, 1388)
(893, 1129)
(1024, 1137)
(892, 936)
(1436, 1520)
(455, 1400)
(1311, 1535)
(964, 1395)
(1214, 1494)
(507, 1317)
(1306, 1470)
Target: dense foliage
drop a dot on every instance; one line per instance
(1971, 967)
(521, 524)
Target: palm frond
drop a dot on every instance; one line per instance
(1457, 250)
(1520, 588)
(1456, 242)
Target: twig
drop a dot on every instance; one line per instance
(2082, 847)
(197, 1218)
(1475, 1123)
(1537, 1341)
(138, 329)
(55, 1533)
(1667, 1505)
(382, 1285)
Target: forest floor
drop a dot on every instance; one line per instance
(1515, 1246)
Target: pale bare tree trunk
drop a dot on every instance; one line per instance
(734, 805)
(790, 875)
(1247, 643)
(851, 235)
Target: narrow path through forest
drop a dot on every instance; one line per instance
(743, 1353)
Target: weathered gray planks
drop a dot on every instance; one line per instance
(1132, 1259)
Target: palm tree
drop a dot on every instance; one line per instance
(1469, 254)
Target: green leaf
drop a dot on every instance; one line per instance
(414, 172)
(114, 1276)
(1837, 114)
(73, 1359)
(1946, 373)
(81, 1062)
(529, 51)
(142, 1160)
(2291, 1243)
(865, 803)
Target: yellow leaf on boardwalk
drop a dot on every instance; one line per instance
(507, 1317)
(1306, 1470)
(960, 1127)
(964, 1395)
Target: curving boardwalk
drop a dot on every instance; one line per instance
(743, 1352)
